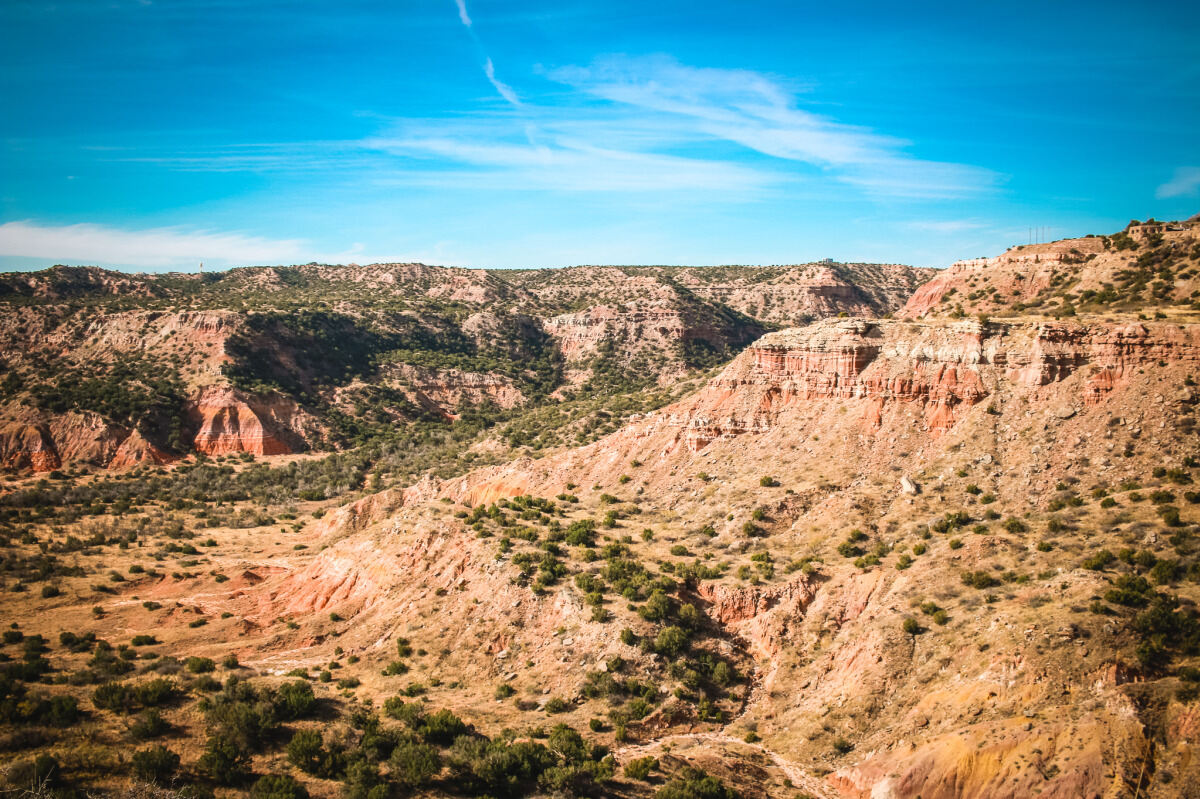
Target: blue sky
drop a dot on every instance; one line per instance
(154, 134)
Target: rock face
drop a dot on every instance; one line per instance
(26, 446)
(995, 709)
(941, 371)
(228, 421)
(640, 329)
(43, 444)
(136, 450)
(443, 390)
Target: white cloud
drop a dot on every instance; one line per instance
(564, 165)
(502, 88)
(160, 248)
(632, 124)
(462, 12)
(1184, 183)
(755, 111)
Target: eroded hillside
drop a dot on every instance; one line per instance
(1143, 268)
(949, 559)
(107, 369)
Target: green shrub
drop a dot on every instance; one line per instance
(155, 692)
(156, 764)
(414, 764)
(1131, 591)
(979, 579)
(443, 727)
(277, 786)
(1099, 560)
(691, 783)
(199, 665)
(640, 768)
(115, 696)
(294, 700)
(657, 606)
(43, 772)
(150, 724)
(223, 761)
(671, 641)
(307, 752)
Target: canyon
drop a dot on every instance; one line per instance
(876, 540)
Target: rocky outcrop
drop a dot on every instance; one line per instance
(223, 419)
(760, 616)
(27, 446)
(842, 359)
(875, 394)
(44, 443)
(137, 450)
(944, 370)
(579, 335)
(444, 390)
(227, 420)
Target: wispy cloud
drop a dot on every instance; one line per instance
(630, 124)
(559, 163)
(161, 248)
(502, 88)
(462, 12)
(757, 112)
(1184, 183)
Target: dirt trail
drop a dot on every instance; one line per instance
(800, 779)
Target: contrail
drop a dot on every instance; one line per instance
(489, 69)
